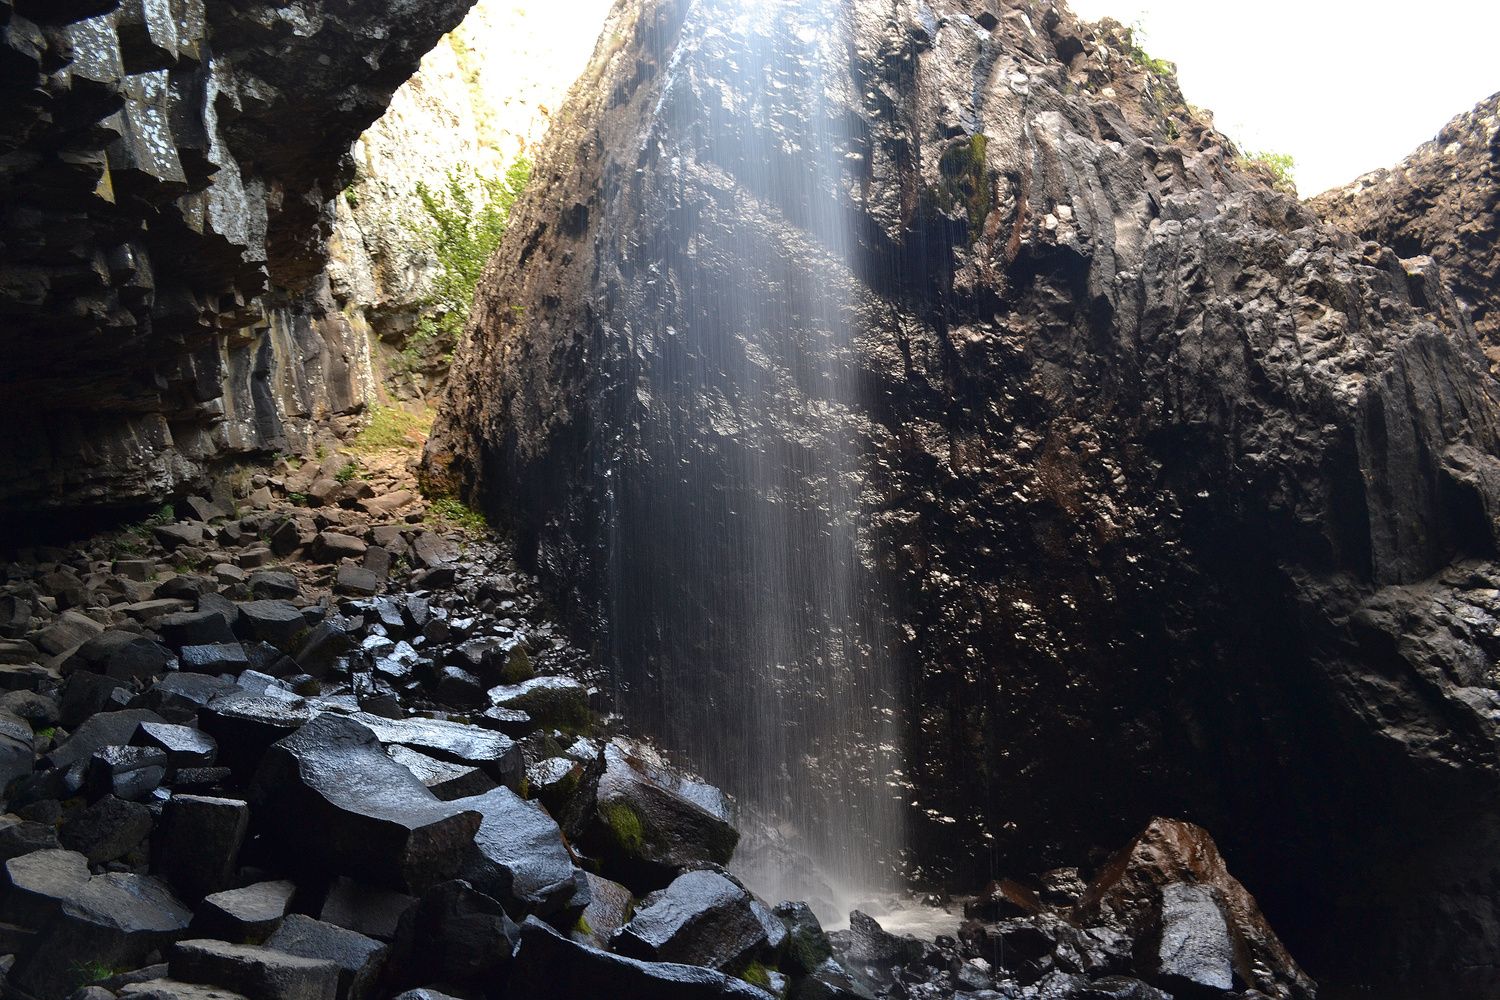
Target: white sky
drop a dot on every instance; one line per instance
(1345, 86)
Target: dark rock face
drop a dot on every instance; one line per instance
(1185, 503)
(1442, 201)
(167, 171)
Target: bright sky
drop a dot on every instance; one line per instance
(1345, 86)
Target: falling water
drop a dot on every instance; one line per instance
(744, 611)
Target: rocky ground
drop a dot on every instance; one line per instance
(318, 738)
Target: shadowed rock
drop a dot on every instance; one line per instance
(702, 918)
(335, 802)
(519, 857)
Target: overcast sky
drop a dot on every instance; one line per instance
(1345, 86)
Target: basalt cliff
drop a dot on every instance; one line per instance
(1180, 500)
(167, 177)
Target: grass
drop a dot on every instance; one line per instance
(390, 429)
(354, 470)
(456, 514)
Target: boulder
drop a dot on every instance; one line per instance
(445, 779)
(198, 844)
(608, 910)
(519, 857)
(548, 966)
(70, 631)
(1128, 893)
(215, 658)
(553, 701)
(126, 771)
(359, 959)
(115, 919)
(357, 581)
(20, 836)
(195, 628)
(702, 918)
(371, 910)
(256, 972)
(280, 623)
(454, 934)
(335, 802)
(247, 915)
(107, 830)
(183, 745)
(331, 546)
(496, 754)
(274, 584)
(123, 656)
(646, 822)
(172, 989)
(1193, 953)
(245, 725)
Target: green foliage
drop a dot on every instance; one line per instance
(46, 733)
(1135, 37)
(464, 222)
(299, 499)
(390, 429)
(1281, 165)
(350, 472)
(351, 195)
(94, 971)
(132, 540)
(456, 514)
(964, 179)
(625, 827)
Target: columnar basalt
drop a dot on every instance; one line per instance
(1442, 201)
(166, 177)
(1185, 502)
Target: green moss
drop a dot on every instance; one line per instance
(46, 733)
(518, 667)
(582, 926)
(85, 973)
(624, 827)
(756, 974)
(390, 429)
(964, 180)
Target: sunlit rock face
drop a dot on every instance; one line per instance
(1442, 201)
(1168, 499)
(166, 177)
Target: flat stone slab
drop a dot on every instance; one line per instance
(496, 753)
(337, 803)
(256, 972)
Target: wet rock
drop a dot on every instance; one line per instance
(123, 656)
(555, 701)
(554, 782)
(1001, 899)
(371, 910)
(106, 831)
(385, 827)
(553, 968)
(494, 753)
(129, 772)
(459, 688)
(16, 749)
(217, 658)
(647, 823)
(115, 919)
(178, 697)
(38, 710)
(453, 934)
(247, 915)
(446, 780)
(183, 745)
(702, 918)
(1129, 893)
(198, 843)
(19, 836)
(359, 959)
(807, 947)
(519, 857)
(279, 623)
(609, 908)
(322, 647)
(245, 725)
(172, 989)
(254, 971)
(870, 944)
(1194, 954)
(101, 730)
(88, 694)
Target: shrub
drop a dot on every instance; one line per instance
(464, 222)
(1281, 165)
(390, 429)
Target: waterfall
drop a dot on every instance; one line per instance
(745, 615)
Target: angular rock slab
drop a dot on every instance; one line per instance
(254, 971)
(548, 966)
(360, 959)
(247, 915)
(520, 858)
(702, 918)
(114, 919)
(337, 804)
(647, 823)
(497, 754)
(455, 934)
